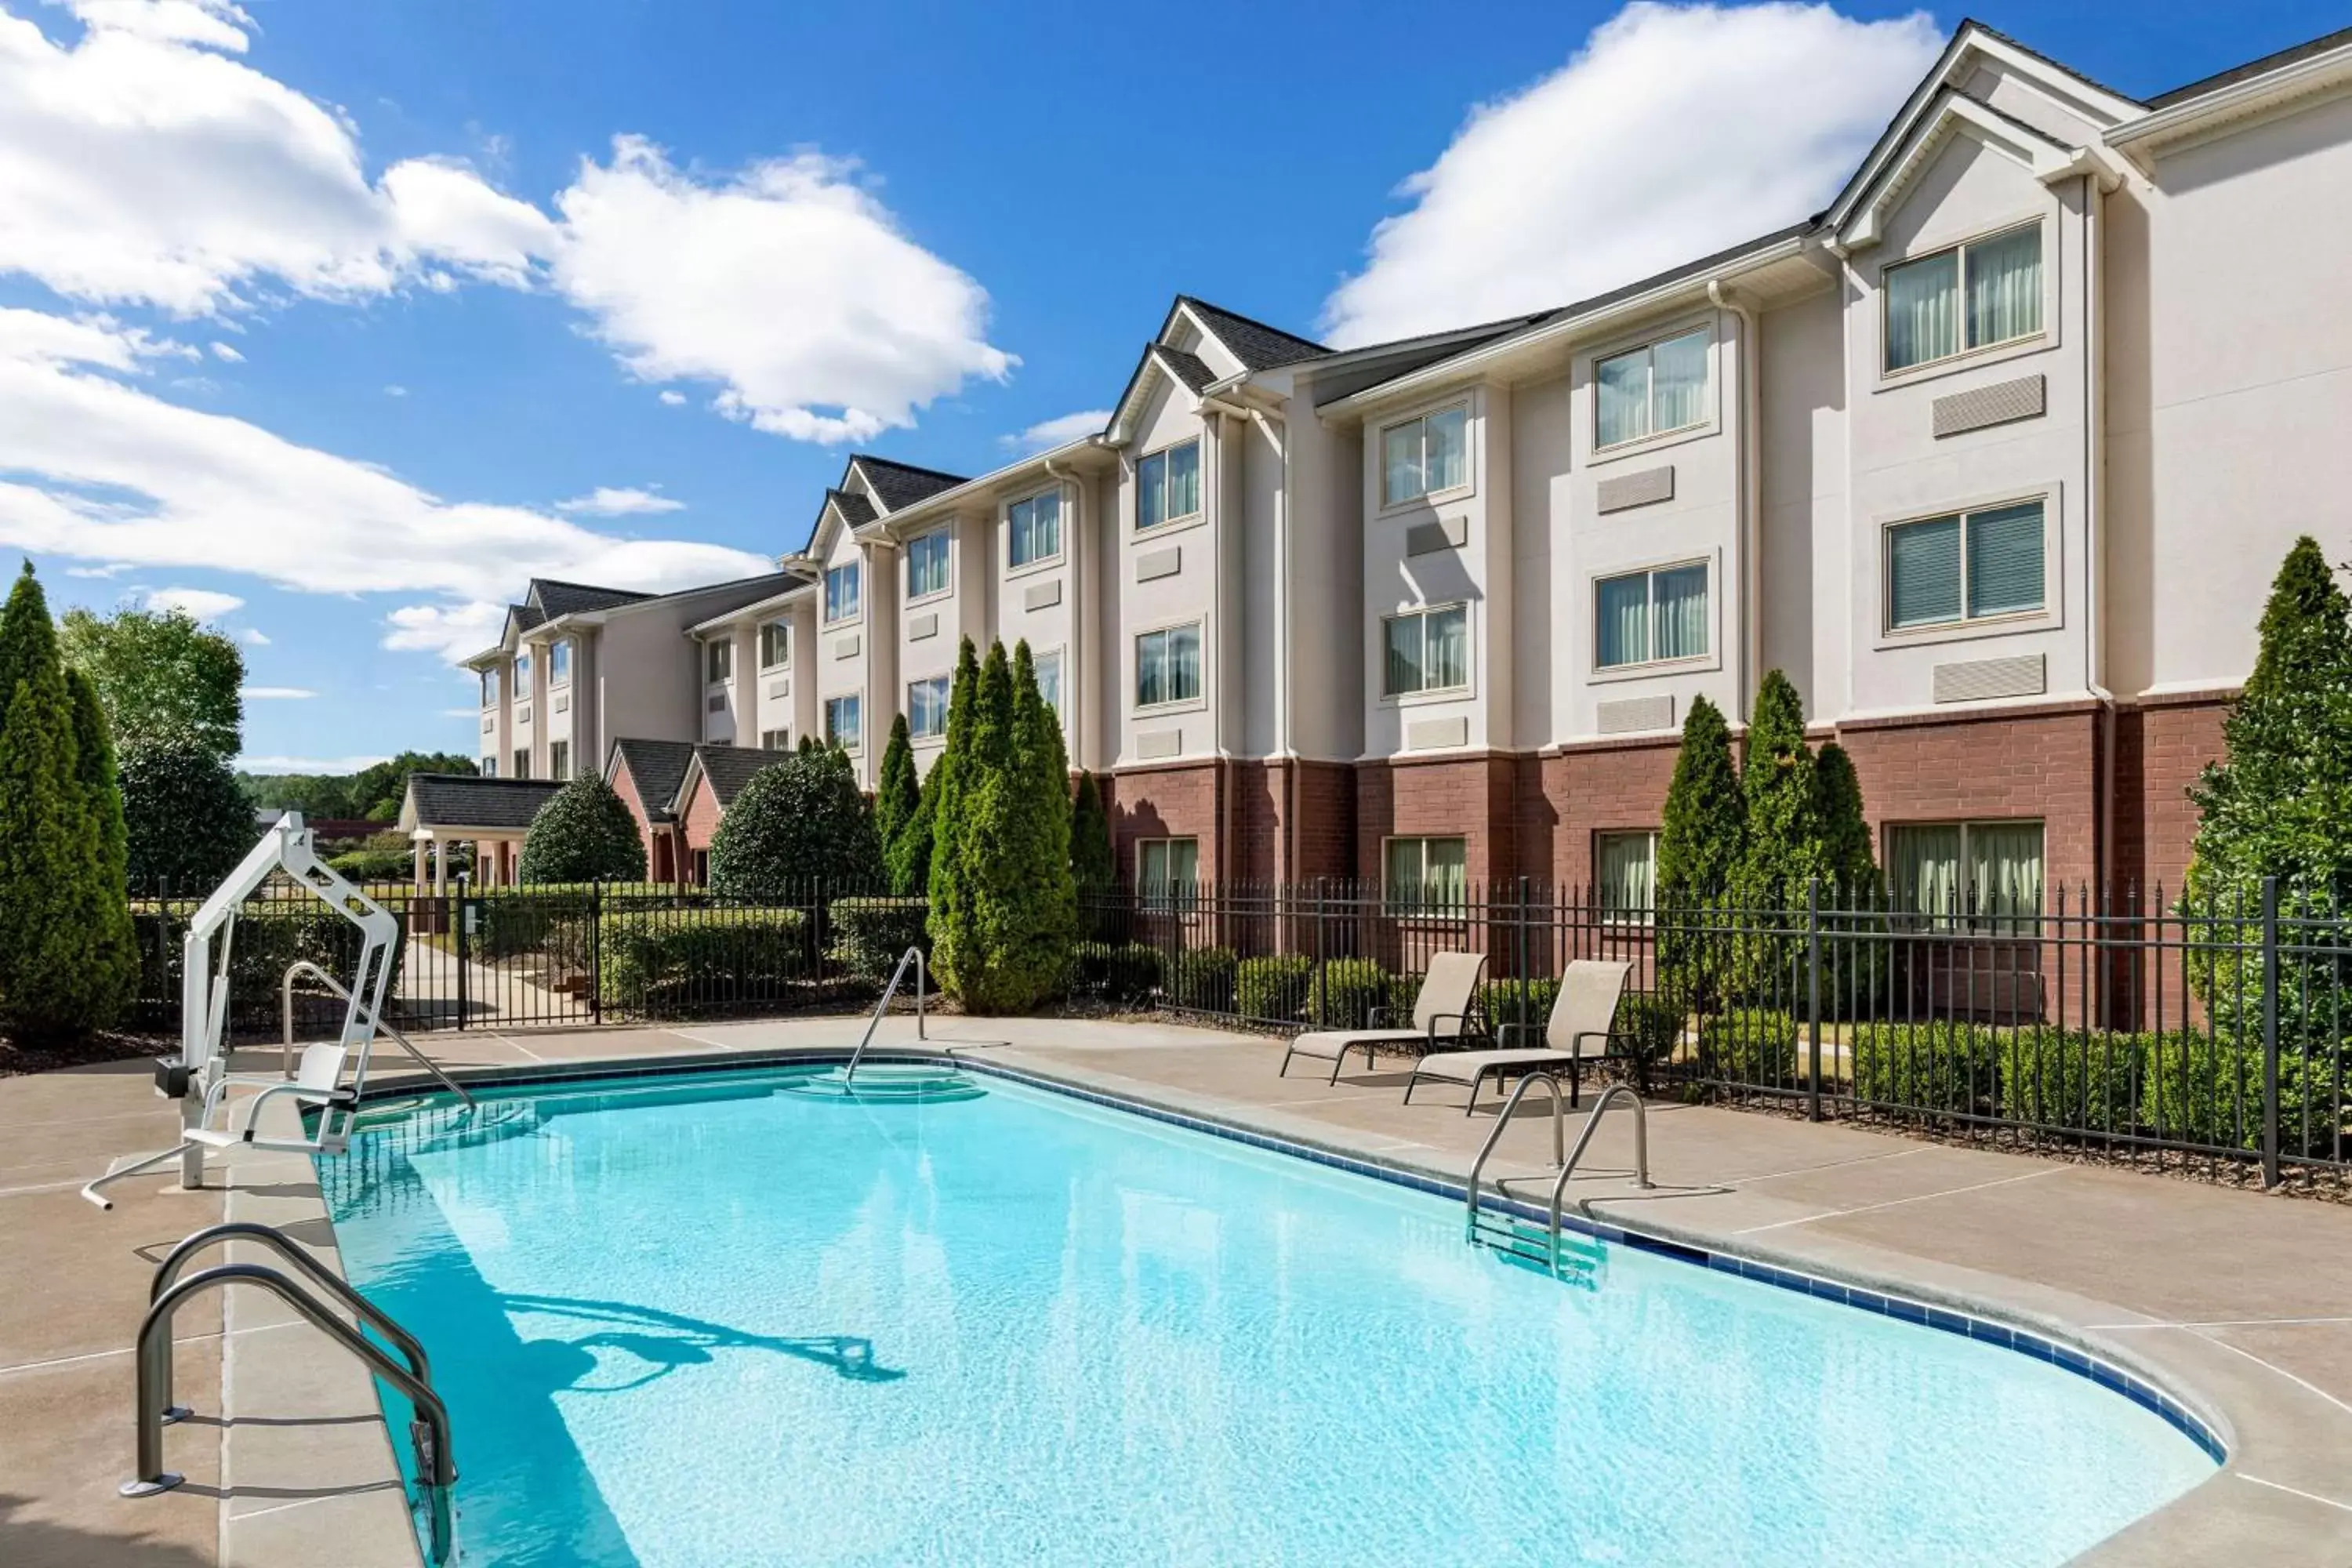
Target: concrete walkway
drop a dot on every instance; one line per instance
(2239, 1303)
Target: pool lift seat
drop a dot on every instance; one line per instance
(198, 1076)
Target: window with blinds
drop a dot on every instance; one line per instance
(1974, 296)
(1425, 874)
(1972, 566)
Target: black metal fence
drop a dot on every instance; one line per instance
(2125, 1025)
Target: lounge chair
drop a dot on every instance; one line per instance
(1446, 993)
(1579, 1029)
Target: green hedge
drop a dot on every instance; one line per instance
(1346, 992)
(1934, 1064)
(263, 947)
(1500, 998)
(1653, 1025)
(1117, 973)
(1748, 1046)
(659, 959)
(2069, 1078)
(2210, 1090)
(1273, 988)
(871, 935)
(1202, 978)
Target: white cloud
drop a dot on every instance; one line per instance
(111, 569)
(276, 693)
(204, 603)
(673, 398)
(214, 24)
(102, 470)
(395, 392)
(309, 765)
(254, 637)
(224, 353)
(605, 500)
(1047, 434)
(1675, 132)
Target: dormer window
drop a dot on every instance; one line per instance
(841, 593)
(1974, 296)
(1168, 485)
(1426, 456)
(719, 660)
(559, 662)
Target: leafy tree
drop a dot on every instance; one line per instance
(584, 833)
(799, 823)
(897, 799)
(1091, 861)
(377, 792)
(187, 822)
(158, 673)
(113, 945)
(946, 885)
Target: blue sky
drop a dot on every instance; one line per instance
(364, 294)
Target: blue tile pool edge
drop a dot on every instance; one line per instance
(2025, 1342)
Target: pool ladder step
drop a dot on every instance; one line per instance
(1572, 1257)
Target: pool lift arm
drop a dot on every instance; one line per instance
(199, 1079)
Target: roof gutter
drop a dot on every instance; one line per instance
(2141, 138)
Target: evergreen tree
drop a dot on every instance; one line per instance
(799, 824)
(895, 799)
(1091, 862)
(1783, 848)
(25, 630)
(1846, 862)
(946, 884)
(113, 945)
(584, 833)
(1705, 819)
(1043, 918)
(186, 820)
(908, 861)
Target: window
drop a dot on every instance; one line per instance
(1428, 650)
(1168, 485)
(559, 759)
(842, 719)
(1649, 617)
(775, 645)
(841, 601)
(1424, 456)
(522, 676)
(1972, 296)
(1422, 873)
(926, 565)
(489, 688)
(1049, 680)
(522, 764)
(1650, 391)
(1949, 569)
(775, 740)
(490, 767)
(559, 661)
(1626, 875)
(927, 708)
(1033, 529)
(1167, 869)
(1168, 666)
(719, 660)
(1977, 876)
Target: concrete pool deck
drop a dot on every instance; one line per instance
(2237, 1304)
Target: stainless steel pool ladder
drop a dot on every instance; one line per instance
(301, 966)
(1505, 1234)
(437, 1466)
(913, 955)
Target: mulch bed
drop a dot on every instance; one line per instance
(106, 1045)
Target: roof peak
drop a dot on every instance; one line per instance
(1212, 308)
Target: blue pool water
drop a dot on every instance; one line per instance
(710, 1321)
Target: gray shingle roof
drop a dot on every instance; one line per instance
(902, 484)
(855, 510)
(2236, 74)
(655, 770)
(1256, 344)
(1188, 368)
(461, 800)
(730, 768)
(553, 599)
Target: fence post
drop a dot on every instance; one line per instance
(465, 908)
(1525, 979)
(1813, 1000)
(2270, 1034)
(597, 951)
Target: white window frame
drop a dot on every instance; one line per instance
(784, 626)
(947, 690)
(1423, 906)
(1618, 917)
(1965, 625)
(776, 740)
(1062, 508)
(1709, 396)
(559, 760)
(824, 718)
(1642, 666)
(1967, 351)
(1966, 920)
(712, 654)
(1469, 465)
(558, 663)
(490, 766)
(522, 676)
(1135, 674)
(1469, 659)
(492, 684)
(856, 570)
(1166, 524)
(1061, 676)
(945, 534)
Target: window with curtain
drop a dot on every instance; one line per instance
(489, 688)
(1166, 869)
(1426, 456)
(1427, 650)
(559, 662)
(559, 759)
(521, 766)
(1168, 666)
(841, 592)
(1652, 391)
(1972, 566)
(1049, 680)
(1973, 296)
(926, 565)
(490, 767)
(717, 660)
(1626, 875)
(1033, 529)
(1168, 485)
(1650, 618)
(775, 645)
(1426, 873)
(775, 740)
(927, 708)
(1968, 876)
(843, 722)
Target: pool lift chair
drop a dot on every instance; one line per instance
(199, 1079)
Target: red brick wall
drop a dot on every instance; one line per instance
(1175, 801)
(626, 788)
(702, 813)
(1473, 798)
(2161, 746)
(1293, 821)
(1599, 787)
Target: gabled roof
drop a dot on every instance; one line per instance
(896, 485)
(2294, 55)
(1256, 344)
(655, 770)
(554, 598)
(462, 800)
(549, 600)
(1189, 368)
(729, 769)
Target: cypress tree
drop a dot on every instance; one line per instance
(908, 861)
(1091, 863)
(945, 883)
(1046, 920)
(25, 630)
(1846, 862)
(1705, 819)
(895, 797)
(981, 858)
(113, 945)
(1784, 839)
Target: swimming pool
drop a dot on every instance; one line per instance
(712, 1319)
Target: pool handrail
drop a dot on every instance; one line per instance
(1609, 1096)
(913, 955)
(286, 1011)
(167, 1274)
(1502, 1120)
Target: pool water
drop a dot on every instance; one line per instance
(710, 1320)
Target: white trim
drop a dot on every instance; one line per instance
(1200, 513)
(824, 719)
(1467, 691)
(946, 530)
(1390, 506)
(1064, 505)
(1198, 620)
(2044, 336)
(2049, 617)
(858, 618)
(1600, 673)
(2217, 112)
(1710, 423)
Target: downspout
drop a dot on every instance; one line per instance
(2094, 505)
(1277, 432)
(1084, 614)
(1750, 526)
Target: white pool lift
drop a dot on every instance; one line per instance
(199, 1076)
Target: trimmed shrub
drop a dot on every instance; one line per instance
(113, 956)
(1500, 999)
(1934, 1065)
(944, 791)
(269, 938)
(584, 833)
(1654, 1026)
(1345, 992)
(2206, 1089)
(664, 960)
(1749, 1046)
(1116, 972)
(371, 864)
(2074, 1079)
(1273, 987)
(799, 823)
(186, 820)
(1202, 979)
(871, 935)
